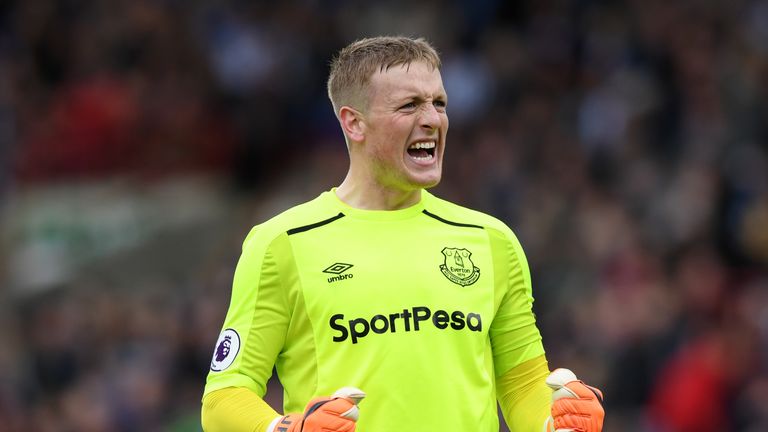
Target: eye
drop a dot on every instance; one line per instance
(408, 106)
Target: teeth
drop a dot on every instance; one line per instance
(423, 145)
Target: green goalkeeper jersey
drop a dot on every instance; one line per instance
(421, 308)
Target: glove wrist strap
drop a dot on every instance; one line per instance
(273, 424)
(549, 425)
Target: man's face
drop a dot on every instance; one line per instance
(405, 127)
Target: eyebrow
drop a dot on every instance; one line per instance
(413, 95)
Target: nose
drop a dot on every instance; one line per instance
(430, 118)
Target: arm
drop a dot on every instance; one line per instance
(523, 387)
(518, 353)
(253, 335)
(524, 397)
(236, 409)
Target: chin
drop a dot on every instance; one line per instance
(426, 182)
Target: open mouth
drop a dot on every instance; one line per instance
(422, 150)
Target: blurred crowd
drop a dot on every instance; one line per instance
(625, 142)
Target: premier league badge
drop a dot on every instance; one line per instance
(227, 348)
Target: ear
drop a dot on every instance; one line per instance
(352, 123)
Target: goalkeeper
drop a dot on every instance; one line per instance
(378, 289)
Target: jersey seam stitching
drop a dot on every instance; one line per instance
(448, 222)
(312, 226)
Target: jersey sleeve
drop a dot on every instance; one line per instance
(235, 409)
(514, 335)
(523, 395)
(256, 323)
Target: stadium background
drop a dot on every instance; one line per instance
(626, 142)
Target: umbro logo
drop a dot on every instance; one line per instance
(339, 270)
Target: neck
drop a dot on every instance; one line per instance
(369, 195)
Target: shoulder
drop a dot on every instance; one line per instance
(453, 212)
(291, 220)
(503, 240)
(496, 229)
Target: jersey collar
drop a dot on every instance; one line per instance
(377, 215)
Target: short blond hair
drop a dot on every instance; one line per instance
(355, 64)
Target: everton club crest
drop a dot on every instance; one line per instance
(458, 266)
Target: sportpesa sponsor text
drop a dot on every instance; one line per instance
(358, 328)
